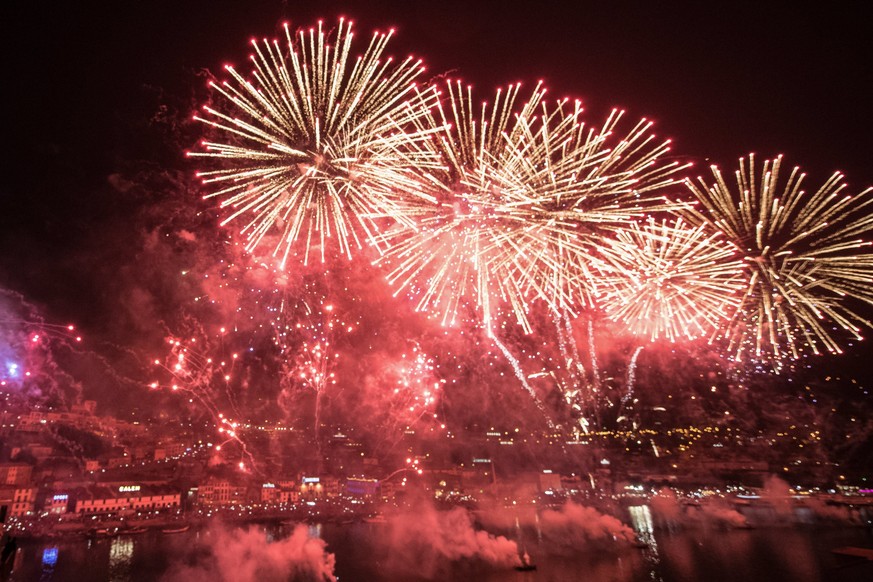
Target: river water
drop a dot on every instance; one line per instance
(771, 554)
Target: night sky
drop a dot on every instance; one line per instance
(91, 88)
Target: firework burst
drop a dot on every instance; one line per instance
(310, 147)
(466, 253)
(524, 195)
(408, 389)
(806, 255)
(671, 280)
(585, 184)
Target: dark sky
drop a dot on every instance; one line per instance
(82, 79)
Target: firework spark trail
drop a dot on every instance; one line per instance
(28, 349)
(671, 279)
(577, 395)
(808, 256)
(53, 330)
(631, 377)
(193, 373)
(519, 373)
(315, 145)
(571, 341)
(592, 354)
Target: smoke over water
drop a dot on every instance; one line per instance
(575, 526)
(245, 555)
(669, 513)
(426, 542)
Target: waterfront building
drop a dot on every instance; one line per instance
(16, 501)
(98, 500)
(362, 487)
(220, 492)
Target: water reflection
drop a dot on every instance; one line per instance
(49, 561)
(644, 526)
(734, 553)
(49, 557)
(121, 559)
(795, 553)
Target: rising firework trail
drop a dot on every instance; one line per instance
(592, 353)
(576, 389)
(315, 366)
(808, 256)
(310, 146)
(631, 378)
(522, 378)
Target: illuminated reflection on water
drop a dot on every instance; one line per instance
(641, 521)
(49, 560)
(121, 559)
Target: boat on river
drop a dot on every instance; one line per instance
(378, 518)
(526, 565)
(133, 531)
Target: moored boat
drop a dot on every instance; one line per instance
(526, 565)
(132, 531)
(378, 518)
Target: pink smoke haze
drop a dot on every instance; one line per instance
(245, 555)
(423, 541)
(576, 526)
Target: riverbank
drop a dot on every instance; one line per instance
(668, 510)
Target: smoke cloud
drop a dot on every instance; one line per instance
(718, 513)
(245, 555)
(665, 508)
(425, 541)
(577, 526)
(712, 512)
(777, 493)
